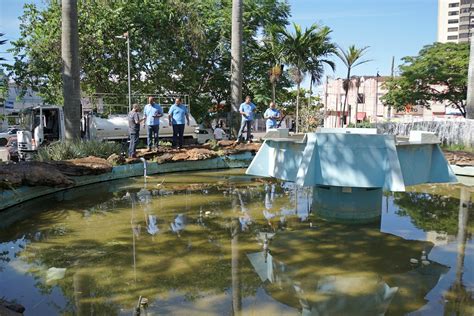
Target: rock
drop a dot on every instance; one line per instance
(225, 143)
(460, 158)
(194, 154)
(116, 160)
(83, 166)
(164, 158)
(9, 308)
(32, 173)
(54, 274)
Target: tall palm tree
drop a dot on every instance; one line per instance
(321, 50)
(470, 85)
(236, 67)
(71, 68)
(351, 59)
(306, 52)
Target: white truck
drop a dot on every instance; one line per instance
(41, 124)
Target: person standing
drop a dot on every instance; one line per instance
(178, 116)
(134, 130)
(247, 110)
(272, 114)
(152, 113)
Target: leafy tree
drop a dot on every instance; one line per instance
(438, 74)
(351, 59)
(305, 52)
(178, 46)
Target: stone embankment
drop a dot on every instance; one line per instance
(58, 174)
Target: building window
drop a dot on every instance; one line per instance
(454, 21)
(454, 5)
(464, 27)
(465, 2)
(452, 37)
(360, 98)
(463, 35)
(451, 13)
(465, 19)
(452, 29)
(465, 10)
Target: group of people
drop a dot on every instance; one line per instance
(178, 116)
(247, 110)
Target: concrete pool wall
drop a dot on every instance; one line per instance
(10, 198)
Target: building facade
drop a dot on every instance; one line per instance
(455, 20)
(364, 97)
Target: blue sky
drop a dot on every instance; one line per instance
(390, 27)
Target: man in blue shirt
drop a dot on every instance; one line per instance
(272, 114)
(178, 116)
(152, 113)
(247, 110)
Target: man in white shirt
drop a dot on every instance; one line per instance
(218, 133)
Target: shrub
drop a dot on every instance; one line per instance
(165, 143)
(363, 124)
(77, 149)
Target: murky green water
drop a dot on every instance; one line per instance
(221, 243)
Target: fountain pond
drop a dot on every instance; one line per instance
(222, 243)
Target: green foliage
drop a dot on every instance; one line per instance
(177, 46)
(458, 147)
(437, 74)
(163, 143)
(429, 212)
(363, 124)
(78, 149)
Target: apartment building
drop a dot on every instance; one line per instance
(455, 20)
(364, 98)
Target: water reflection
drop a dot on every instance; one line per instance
(223, 243)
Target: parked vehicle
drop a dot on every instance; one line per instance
(5, 136)
(42, 124)
(205, 135)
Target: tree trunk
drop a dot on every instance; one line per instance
(236, 67)
(70, 71)
(470, 85)
(345, 99)
(273, 91)
(235, 271)
(298, 108)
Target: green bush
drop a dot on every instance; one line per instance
(363, 124)
(164, 143)
(77, 149)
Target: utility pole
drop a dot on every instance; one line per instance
(470, 84)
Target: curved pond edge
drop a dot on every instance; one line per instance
(9, 198)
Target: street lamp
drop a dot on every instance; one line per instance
(126, 36)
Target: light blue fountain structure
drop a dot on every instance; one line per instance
(349, 168)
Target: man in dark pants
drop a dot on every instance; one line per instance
(134, 130)
(178, 116)
(247, 110)
(152, 113)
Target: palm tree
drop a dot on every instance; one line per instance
(321, 50)
(70, 73)
(306, 52)
(1, 43)
(236, 67)
(470, 85)
(351, 58)
(270, 53)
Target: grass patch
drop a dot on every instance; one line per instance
(458, 147)
(77, 149)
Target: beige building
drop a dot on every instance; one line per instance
(364, 96)
(455, 20)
